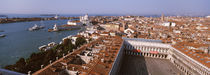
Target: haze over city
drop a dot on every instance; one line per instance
(125, 7)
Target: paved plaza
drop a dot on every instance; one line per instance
(139, 65)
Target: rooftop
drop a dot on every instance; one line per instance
(102, 53)
(201, 58)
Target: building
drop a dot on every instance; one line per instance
(114, 27)
(156, 49)
(74, 22)
(162, 18)
(85, 20)
(123, 27)
(202, 27)
(112, 55)
(129, 31)
(207, 16)
(169, 24)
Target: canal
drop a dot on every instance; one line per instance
(20, 42)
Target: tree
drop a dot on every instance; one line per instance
(20, 65)
(42, 58)
(66, 42)
(71, 46)
(94, 22)
(50, 55)
(80, 41)
(10, 67)
(90, 39)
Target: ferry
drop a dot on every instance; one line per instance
(35, 27)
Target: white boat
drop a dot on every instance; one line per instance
(35, 27)
(2, 35)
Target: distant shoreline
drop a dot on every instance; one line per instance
(14, 20)
(77, 15)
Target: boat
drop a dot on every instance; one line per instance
(2, 35)
(55, 28)
(35, 27)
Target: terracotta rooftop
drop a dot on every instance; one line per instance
(101, 63)
(202, 58)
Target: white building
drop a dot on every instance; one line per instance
(74, 22)
(85, 19)
(129, 19)
(112, 34)
(207, 16)
(128, 31)
(169, 24)
(201, 27)
(74, 38)
(176, 31)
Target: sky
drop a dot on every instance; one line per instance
(129, 7)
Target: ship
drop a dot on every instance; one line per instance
(35, 27)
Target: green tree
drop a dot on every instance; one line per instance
(20, 65)
(50, 55)
(94, 22)
(10, 67)
(80, 41)
(34, 62)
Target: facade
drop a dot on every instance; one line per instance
(129, 31)
(156, 49)
(114, 27)
(162, 18)
(207, 16)
(85, 19)
(169, 24)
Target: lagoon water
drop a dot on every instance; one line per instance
(20, 42)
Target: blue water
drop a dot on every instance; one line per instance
(37, 15)
(21, 43)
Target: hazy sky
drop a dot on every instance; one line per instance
(135, 7)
